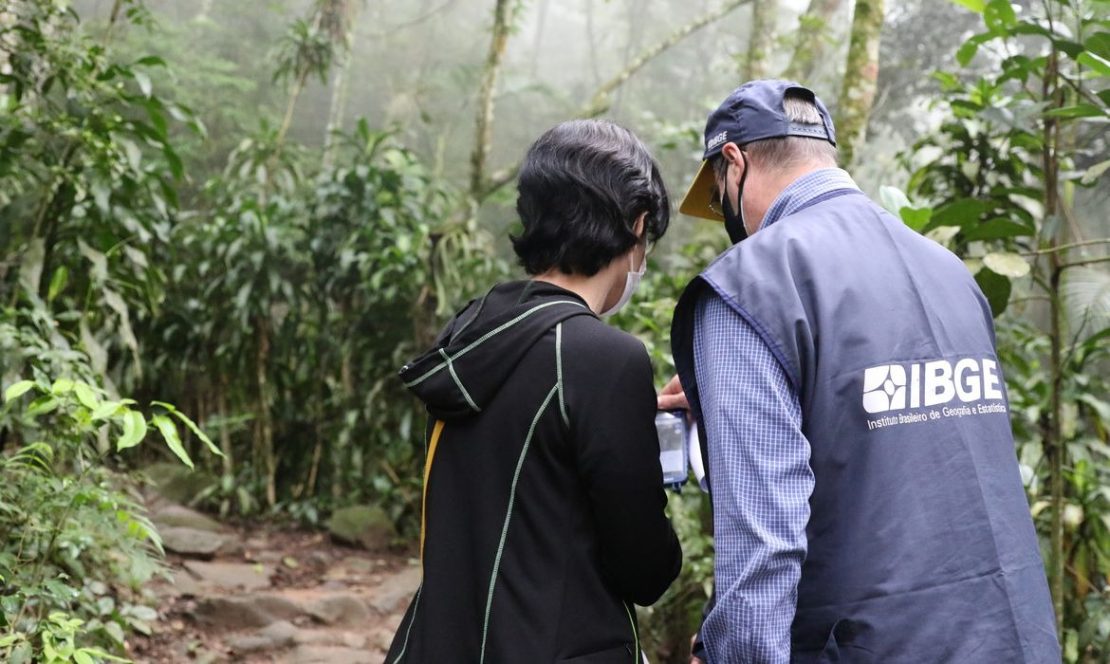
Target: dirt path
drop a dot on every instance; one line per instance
(283, 597)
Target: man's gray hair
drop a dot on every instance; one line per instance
(787, 152)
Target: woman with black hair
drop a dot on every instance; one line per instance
(543, 519)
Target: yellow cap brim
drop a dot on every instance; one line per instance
(698, 201)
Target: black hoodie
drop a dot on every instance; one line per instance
(544, 504)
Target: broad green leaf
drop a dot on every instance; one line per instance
(134, 430)
(151, 61)
(173, 439)
(105, 410)
(994, 229)
(1006, 264)
(999, 15)
(947, 80)
(42, 405)
(96, 652)
(1094, 62)
(1072, 48)
(177, 168)
(197, 432)
(86, 396)
(960, 212)
(8, 640)
(966, 53)
(16, 390)
(192, 426)
(61, 386)
(916, 218)
(82, 657)
(1098, 42)
(1076, 111)
(58, 283)
(996, 288)
(976, 6)
(1095, 172)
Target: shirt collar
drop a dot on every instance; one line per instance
(805, 189)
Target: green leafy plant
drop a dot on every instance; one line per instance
(1003, 183)
(75, 547)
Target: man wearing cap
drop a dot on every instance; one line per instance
(866, 495)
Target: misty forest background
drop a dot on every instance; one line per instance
(257, 211)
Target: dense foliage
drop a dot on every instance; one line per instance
(1003, 183)
(169, 230)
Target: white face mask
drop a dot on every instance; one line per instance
(631, 283)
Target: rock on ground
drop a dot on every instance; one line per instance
(395, 592)
(176, 516)
(369, 527)
(192, 542)
(231, 576)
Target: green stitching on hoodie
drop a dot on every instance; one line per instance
(508, 517)
(559, 373)
(466, 395)
(635, 634)
(489, 335)
(415, 606)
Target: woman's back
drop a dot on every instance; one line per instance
(543, 518)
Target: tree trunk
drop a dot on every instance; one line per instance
(265, 418)
(483, 134)
(858, 91)
(291, 105)
(340, 87)
(761, 40)
(810, 39)
(1054, 447)
(225, 432)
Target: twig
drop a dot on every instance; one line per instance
(599, 102)
(1063, 247)
(1090, 261)
(1084, 93)
(414, 21)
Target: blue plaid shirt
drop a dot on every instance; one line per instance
(759, 464)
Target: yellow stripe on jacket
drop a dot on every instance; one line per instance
(436, 431)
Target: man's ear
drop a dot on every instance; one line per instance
(638, 227)
(731, 152)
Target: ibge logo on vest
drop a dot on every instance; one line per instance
(931, 390)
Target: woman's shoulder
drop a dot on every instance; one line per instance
(588, 339)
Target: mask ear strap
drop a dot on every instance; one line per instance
(740, 187)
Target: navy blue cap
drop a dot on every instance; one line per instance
(753, 112)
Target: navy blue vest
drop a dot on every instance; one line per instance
(921, 545)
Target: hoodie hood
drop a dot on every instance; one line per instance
(483, 343)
